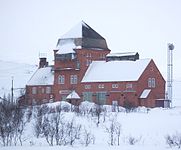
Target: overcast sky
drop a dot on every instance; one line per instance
(28, 27)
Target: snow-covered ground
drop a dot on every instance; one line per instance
(148, 127)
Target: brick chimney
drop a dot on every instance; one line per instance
(43, 62)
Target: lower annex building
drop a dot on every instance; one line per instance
(85, 70)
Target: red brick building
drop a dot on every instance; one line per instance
(85, 70)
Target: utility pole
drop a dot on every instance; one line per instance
(12, 88)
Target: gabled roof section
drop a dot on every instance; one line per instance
(101, 71)
(43, 76)
(73, 95)
(82, 30)
(81, 36)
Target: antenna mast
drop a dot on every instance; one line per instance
(170, 72)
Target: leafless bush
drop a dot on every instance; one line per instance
(88, 138)
(133, 140)
(174, 140)
(11, 124)
(114, 131)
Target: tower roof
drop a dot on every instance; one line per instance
(80, 36)
(82, 30)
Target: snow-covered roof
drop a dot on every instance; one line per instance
(80, 36)
(73, 95)
(66, 46)
(76, 31)
(43, 76)
(101, 71)
(121, 54)
(145, 93)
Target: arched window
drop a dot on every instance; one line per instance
(61, 79)
(151, 83)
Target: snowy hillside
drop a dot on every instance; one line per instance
(63, 129)
(21, 73)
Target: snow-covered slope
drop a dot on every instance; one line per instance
(20, 73)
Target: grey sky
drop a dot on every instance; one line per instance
(31, 26)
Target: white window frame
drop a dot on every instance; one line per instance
(61, 79)
(88, 62)
(73, 79)
(87, 86)
(101, 86)
(129, 86)
(149, 83)
(153, 83)
(115, 86)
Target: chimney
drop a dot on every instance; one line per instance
(43, 62)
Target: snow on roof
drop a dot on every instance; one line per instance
(121, 54)
(76, 31)
(43, 76)
(101, 71)
(145, 93)
(66, 46)
(73, 95)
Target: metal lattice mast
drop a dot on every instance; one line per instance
(170, 72)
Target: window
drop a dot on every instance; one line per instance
(88, 55)
(64, 98)
(42, 90)
(48, 90)
(34, 90)
(61, 79)
(151, 82)
(129, 86)
(101, 86)
(114, 86)
(78, 65)
(87, 96)
(101, 98)
(73, 79)
(87, 86)
(88, 62)
(102, 55)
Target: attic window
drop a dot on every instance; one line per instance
(151, 82)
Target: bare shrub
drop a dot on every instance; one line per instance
(88, 138)
(174, 140)
(133, 140)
